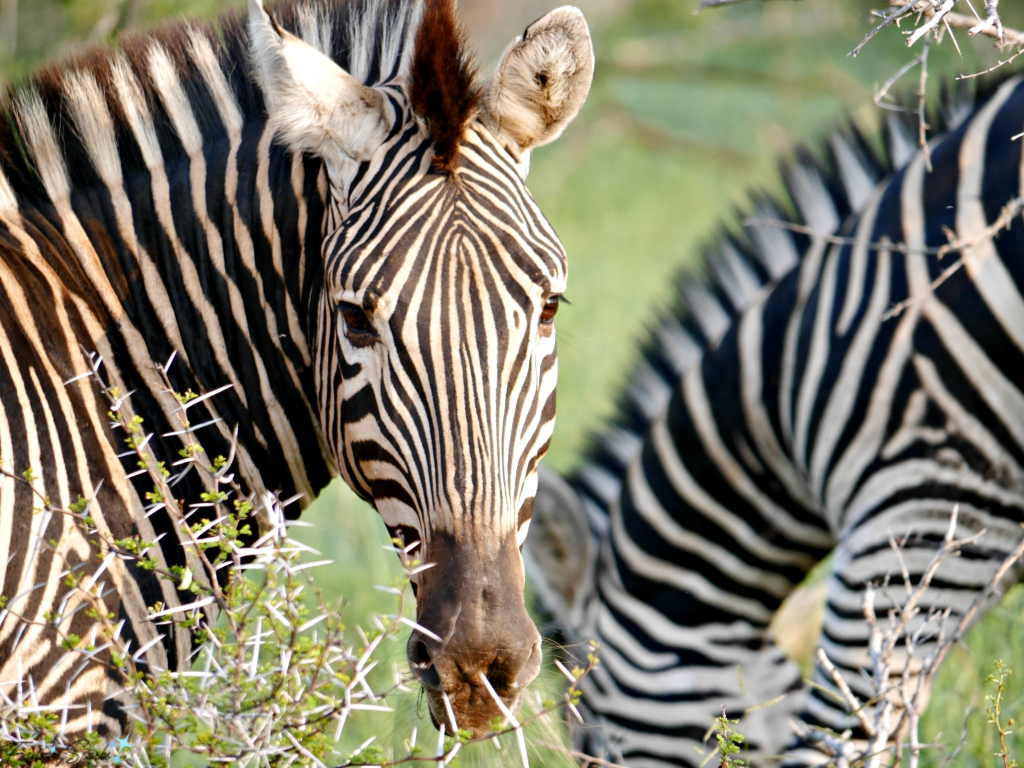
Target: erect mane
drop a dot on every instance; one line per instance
(444, 91)
(375, 40)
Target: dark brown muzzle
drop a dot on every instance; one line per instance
(472, 601)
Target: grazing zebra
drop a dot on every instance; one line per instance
(323, 210)
(787, 410)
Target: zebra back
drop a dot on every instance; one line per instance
(823, 190)
(735, 266)
(578, 576)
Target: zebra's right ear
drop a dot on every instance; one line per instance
(315, 105)
(541, 82)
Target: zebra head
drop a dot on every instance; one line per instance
(434, 342)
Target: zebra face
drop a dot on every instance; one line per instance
(438, 349)
(443, 336)
(435, 343)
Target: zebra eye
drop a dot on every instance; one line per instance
(355, 318)
(547, 315)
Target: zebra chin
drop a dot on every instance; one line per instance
(479, 643)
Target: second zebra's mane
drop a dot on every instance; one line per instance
(823, 192)
(69, 122)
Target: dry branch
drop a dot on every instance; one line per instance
(1008, 214)
(934, 18)
(898, 703)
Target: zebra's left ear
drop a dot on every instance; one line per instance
(541, 82)
(315, 105)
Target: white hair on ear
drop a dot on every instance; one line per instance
(94, 125)
(541, 82)
(42, 146)
(314, 105)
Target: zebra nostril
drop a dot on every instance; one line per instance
(422, 665)
(419, 656)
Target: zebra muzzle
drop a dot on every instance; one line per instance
(480, 649)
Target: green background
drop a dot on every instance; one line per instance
(689, 112)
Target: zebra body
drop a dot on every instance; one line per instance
(812, 395)
(321, 216)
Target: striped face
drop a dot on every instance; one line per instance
(437, 345)
(434, 351)
(436, 365)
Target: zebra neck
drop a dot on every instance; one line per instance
(214, 257)
(252, 302)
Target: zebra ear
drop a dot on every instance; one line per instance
(315, 105)
(541, 81)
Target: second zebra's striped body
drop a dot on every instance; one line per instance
(787, 411)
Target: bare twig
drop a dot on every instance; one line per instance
(899, 702)
(992, 25)
(934, 11)
(887, 20)
(583, 757)
(922, 117)
(883, 92)
(1007, 215)
(1005, 218)
(1009, 212)
(994, 67)
(856, 707)
(716, 3)
(932, 23)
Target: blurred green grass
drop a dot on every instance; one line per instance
(688, 113)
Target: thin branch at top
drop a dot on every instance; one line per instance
(935, 11)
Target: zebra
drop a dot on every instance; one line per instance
(827, 384)
(321, 210)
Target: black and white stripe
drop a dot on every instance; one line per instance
(460, 267)
(780, 415)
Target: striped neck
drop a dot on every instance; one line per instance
(154, 176)
(155, 187)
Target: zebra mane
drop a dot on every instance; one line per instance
(444, 90)
(823, 190)
(70, 124)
